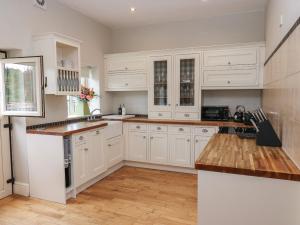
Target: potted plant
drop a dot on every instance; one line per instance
(86, 95)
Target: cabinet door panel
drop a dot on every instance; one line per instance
(158, 148)
(200, 144)
(137, 146)
(180, 149)
(114, 151)
(187, 82)
(96, 159)
(81, 164)
(160, 89)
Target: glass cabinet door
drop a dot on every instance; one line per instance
(21, 86)
(161, 82)
(187, 73)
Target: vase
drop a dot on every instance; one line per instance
(86, 109)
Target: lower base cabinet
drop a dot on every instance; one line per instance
(158, 147)
(88, 154)
(114, 151)
(137, 146)
(200, 143)
(180, 149)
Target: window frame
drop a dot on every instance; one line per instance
(39, 85)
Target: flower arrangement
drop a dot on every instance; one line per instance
(86, 94)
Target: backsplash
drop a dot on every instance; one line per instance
(281, 95)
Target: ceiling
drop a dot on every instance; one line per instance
(116, 13)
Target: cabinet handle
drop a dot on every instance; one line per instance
(159, 114)
(229, 63)
(228, 82)
(109, 145)
(151, 138)
(186, 115)
(81, 138)
(169, 104)
(46, 82)
(126, 84)
(188, 140)
(86, 149)
(177, 104)
(144, 137)
(158, 128)
(126, 68)
(204, 130)
(97, 132)
(196, 141)
(138, 127)
(181, 129)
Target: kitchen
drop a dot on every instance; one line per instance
(208, 95)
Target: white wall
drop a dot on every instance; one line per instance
(290, 12)
(247, 27)
(19, 20)
(251, 99)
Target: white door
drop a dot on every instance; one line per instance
(187, 83)
(81, 164)
(200, 143)
(5, 173)
(96, 158)
(180, 149)
(158, 148)
(160, 85)
(137, 146)
(114, 151)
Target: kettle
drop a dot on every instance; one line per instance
(239, 114)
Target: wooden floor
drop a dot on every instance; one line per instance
(130, 196)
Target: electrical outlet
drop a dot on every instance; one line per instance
(40, 4)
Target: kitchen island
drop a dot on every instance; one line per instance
(241, 183)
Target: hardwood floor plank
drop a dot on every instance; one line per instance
(130, 196)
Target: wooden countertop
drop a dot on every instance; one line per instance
(68, 129)
(228, 153)
(186, 122)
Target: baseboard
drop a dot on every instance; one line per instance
(161, 167)
(21, 188)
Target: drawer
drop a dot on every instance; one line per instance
(159, 128)
(205, 131)
(137, 127)
(230, 78)
(124, 82)
(179, 129)
(186, 116)
(114, 66)
(80, 138)
(230, 57)
(160, 115)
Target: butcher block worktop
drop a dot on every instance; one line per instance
(68, 129)
(185, 122)
(228, 153)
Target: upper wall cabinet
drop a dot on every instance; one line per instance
(21, 86)
(61, 63)
(239, 68)
(125, 73)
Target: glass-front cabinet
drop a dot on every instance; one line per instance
(187, 84)
(160, 89)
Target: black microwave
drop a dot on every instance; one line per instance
(219, 113)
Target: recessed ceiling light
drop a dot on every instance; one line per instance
(132, 9)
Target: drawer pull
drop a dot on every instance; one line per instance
(109, 145)
(186, 115)
(204, 130)
(138, 127)
(229, 63)
(196, 140)
(228, 82)
(126, 84)
(126, 68)
(181, 129)
(158, 128)
(151, 138)
(97, 132)
(81, 138)
(144, 137)
(188, 140)
(86, 149)
(159, 114)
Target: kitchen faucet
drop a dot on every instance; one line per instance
(91, 117)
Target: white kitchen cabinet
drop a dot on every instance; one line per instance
(180, 149)
(230, 57)
(160, 86)
(128, 73)
(230, 78)
(187, 83)
(96, 157)
(89, 159)
(114, 151)
(200, 142)
(61, 55)
(137, 146)
(158, 147)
